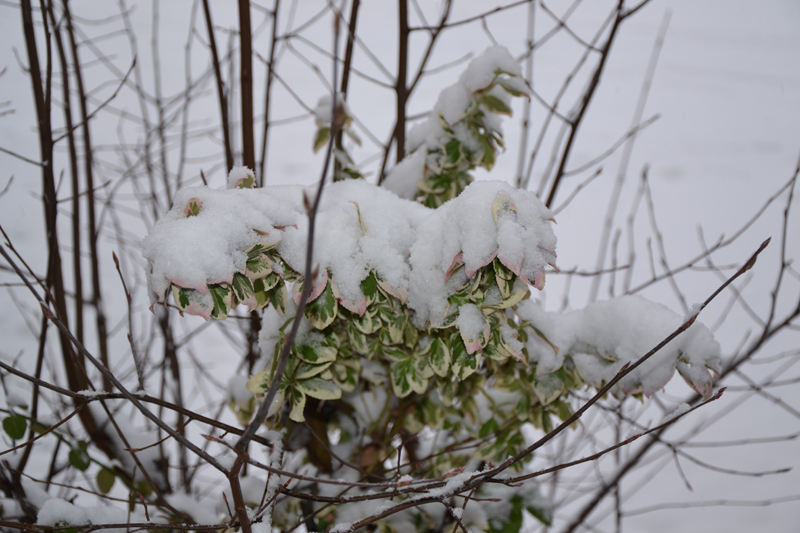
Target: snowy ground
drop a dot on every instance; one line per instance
(727, 89)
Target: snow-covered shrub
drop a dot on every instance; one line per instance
(419, 347)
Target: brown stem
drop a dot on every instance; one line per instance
(400, 87)
(575, 123)
(223, 99)
(96, 299)
(262, 178)
(348, 60)
(246, 84)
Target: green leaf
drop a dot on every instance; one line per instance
(358, 341)
(542, 514)
(488, 153)
(79, 459)
(495, 105)
(395, 323)
(222, 301)
(491, 427)
(105, 480)
(278, 296)
(243, 289)
(322, 311)
(453, 151)
(370, 286)
(323, 134)
(564, 411)
(15, 426)
(144, 488)
(463, 363)
(511, 90)
(514, 522)
(246, 183)
(193, 207)
(320, 389)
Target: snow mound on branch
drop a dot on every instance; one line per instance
(454, 100)
(192, 251)
(604, 336)
(489, 219)
(359, 227)
(453, 104)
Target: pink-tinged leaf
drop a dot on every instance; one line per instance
(472, 345)
(706, 389)
(471, 273)
(661, 386)
(550, 252)
(502, 204)
(193, 207)
(400, 294)
(283, 228)
(457, 262)
(359, 307)
(202, 288)
(248, 182)
(538, 282)
(322, 282)
(199, 310)
(514, 267)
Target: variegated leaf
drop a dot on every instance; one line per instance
(315, 351)
(320, 389)
(322, 311)
(243, 290)
(548, 387)
(440, 356)
(406, 380)
(306, 370)
(278, 296)
(222, 301)
(297, 401)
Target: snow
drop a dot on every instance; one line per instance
(606, 335)
(452, 105)
(59, 512)
(189, 504)
(402, 179)
(466, 226)
(409, 246)
(208, 248)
